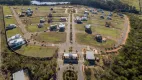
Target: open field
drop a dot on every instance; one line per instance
(11, 20)
(51, 37)
(88, 39)
(37, 51)
(112, 33)
(34, 28)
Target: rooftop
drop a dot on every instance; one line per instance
(90, 55)
(19, 75)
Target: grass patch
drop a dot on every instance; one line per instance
(34, 28)
(37, 51)
(106, 31)
(11, 20)
(51, 37)
(13, 32)
(88, 39)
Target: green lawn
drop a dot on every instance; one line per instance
(37, 51)
(98, 25)
(106, 31)
(88, 39)
(11, 20)
(34, 28)
(51, 37)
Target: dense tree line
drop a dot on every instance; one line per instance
(127, 66)
(16, 2)
(107, 5)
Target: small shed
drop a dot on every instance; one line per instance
(90, 55)
(110, 14)
(53, 27)
(22, 15)
(40, 25)
(88, 29)
(78, 20)
(84, 19)
(28, 13)
(88, 26)
(109, 18)
(42, 20)
(11, 26)
(61, 27)
(98, 38)
(108, 24)
(63, 19)
(86, 12)
(51, 9)
(102, 17)
(8, 16)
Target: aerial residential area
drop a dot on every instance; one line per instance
(71, 40)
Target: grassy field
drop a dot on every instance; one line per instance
(88, 39)
(34, 28)
(98, 24)
(51, 37)
(37, 51)
(11, 20)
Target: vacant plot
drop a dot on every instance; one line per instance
(51, 37)
(34, 28)
(88, 39)
(37, 51)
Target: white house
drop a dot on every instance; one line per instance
(17, 36)
(20, 75)
(61, 25)
(90, 55)
(16, 41)
(70, 56)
